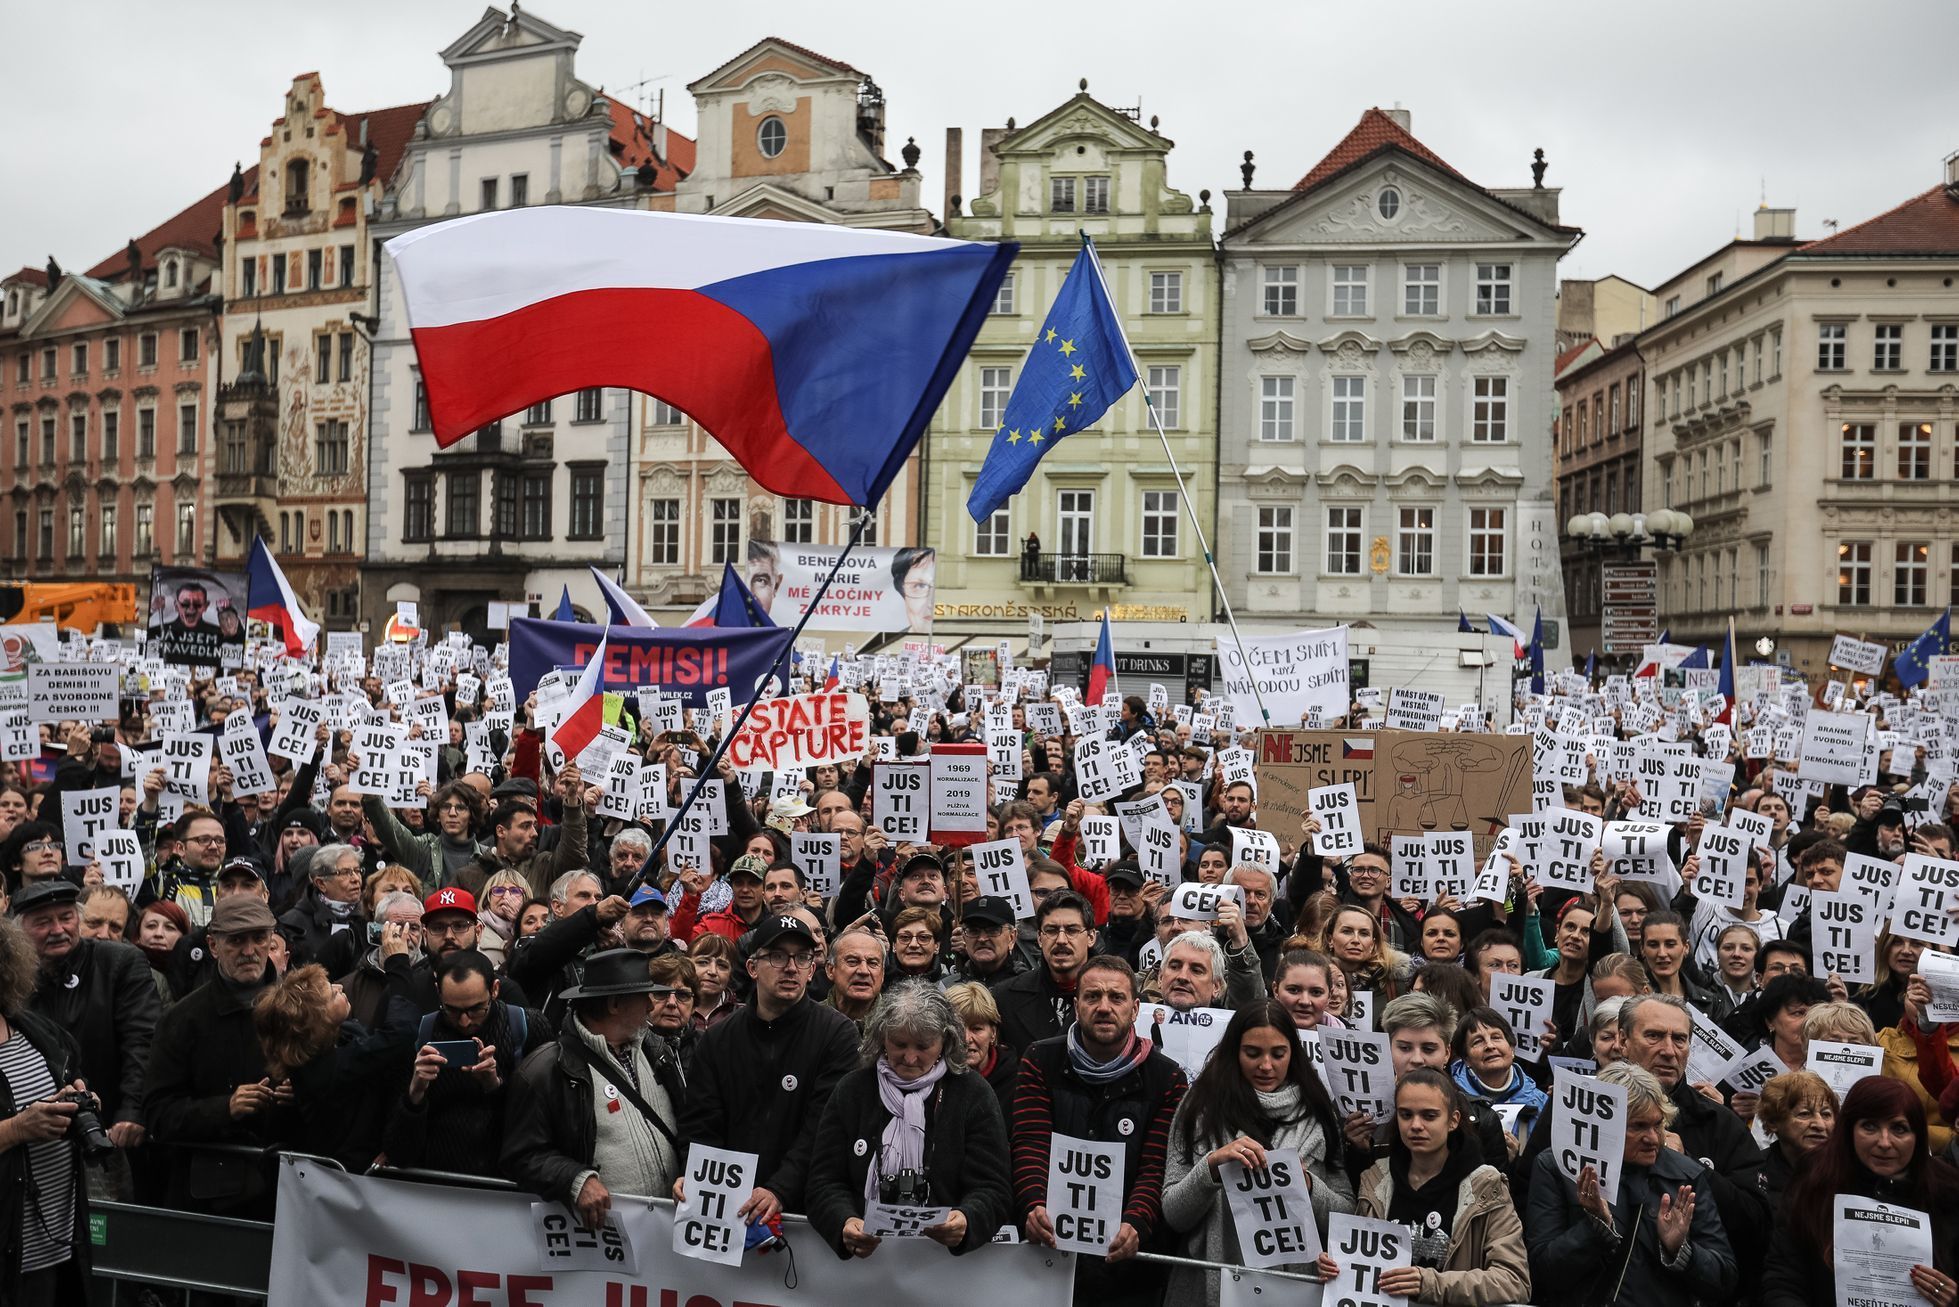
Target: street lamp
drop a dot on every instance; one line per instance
(1628, 533)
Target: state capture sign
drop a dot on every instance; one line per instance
(802, 730)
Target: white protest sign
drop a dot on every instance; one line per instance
(241, 751)
(901, 799)
(1833, 747)
(892, 1221)
(1001, 867)
(85, 815)
(1408, 859)
(1588, 1128)
(1724, 854)
(1926, 888)
(1414, 710)
(1451, 863)
(1843, 935)
(1525, 1002)
(802, 730)
(718, 1183)
(1196, 901)
(1874, 1246)
(820, 858)
(121, 854)
(1156, 849)
(621, 791)
(1085, 1193)
(1359, 1072)
(1271, 1210)
(1104, 769)
(1571, 838)
(1710, 1052)
(85, 692)
(1293, 674)
(1100, 842)
(186, 763)
(1255, 848)
(1941, 973)
(1338, 810)
(296, 736)
(1862, 656)
(1751, 1071)
(1364, 1249)
(958, 794)
(1186, 1037)
(1843, 1065)
(563, 1244)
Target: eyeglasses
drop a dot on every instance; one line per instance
(449, 926)
(1058, 932)
(780, 960)
(188, 839)
(46, 846)
(466, 1013)
(917, 937)
(499, 890)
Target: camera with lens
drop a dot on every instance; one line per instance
(85, 1127)
(102, 735)
(908, 1188)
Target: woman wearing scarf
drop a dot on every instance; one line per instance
(1467, 1240)
(1255, 1093)
(912, 1126)
(1486, 1068)
(503, 896)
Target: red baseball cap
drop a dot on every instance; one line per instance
(449, 900)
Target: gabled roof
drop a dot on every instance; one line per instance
(1126, 131)
(195, 228)
(834, 65)
(28, 276)
(1373, 134)
(1573, 354)
(1925, 224)
(388, 131)
(632, 145)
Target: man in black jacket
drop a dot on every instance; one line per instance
(556, 1139)
(101, 993)
(992, 954)
(760, 1078)
(1040, 1003)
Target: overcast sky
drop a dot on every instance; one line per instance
(1663, 122)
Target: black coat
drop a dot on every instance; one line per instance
(1799, 1274)
(1722, 1143)
(1571, 1250)
(103, 996)
(309, 931)
(64, 1064)
(458, 1125)
(965, 1155)
(761, 1086)
(1032, 1008)
(205, 1048)
(550, 1127)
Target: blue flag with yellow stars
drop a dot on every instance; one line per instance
(1078, 367)
(1914, 662)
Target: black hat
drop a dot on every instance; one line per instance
(517, 787)
(989, 911)
(774, 929)
(615, 971)
(920, 861)
(57, 892)
(1126, 872)
(306, 819)
(240, 863)
(1891, 814)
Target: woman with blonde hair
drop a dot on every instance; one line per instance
(329, 1061)
(1356, 944)
(1797, 1109)
(503, 897)
(993, 1061)
(387, 880)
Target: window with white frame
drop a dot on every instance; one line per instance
(1343, 536)
(1166, 395)
(798, 521)
(1281, 291)
(1493, 287)
(1003, 299)
(1421, 290)
(663, 532)
(1061, 194)
(991, 538)
(1914, 451)
(106, 530)
(1911, 573)
(1349, 290)
(590, 406)
(1888, 347)
(1159, 524)
(666, 415)
(1095, 194)
(1418, 409)
(1166, 292)
(995, 385)
(1489, 410)
(1489, 537)
(724, 531)
(1859, 445)
(1415, 545)
(538, 414)
(1854, 573)
(1349, 409)
(1275, 408)
(1832, 343)
(1945, 347)
(1761, 575)
(1764, 460)
(1274, 539)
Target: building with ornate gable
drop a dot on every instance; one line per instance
(1103, 504)
(1389, 337)
(789, 135)
(522, 506)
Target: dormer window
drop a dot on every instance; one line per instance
(170, 274)
(771, 138)
(297, 200)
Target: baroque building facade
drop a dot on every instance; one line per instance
(1390, 335)
(1099, 525)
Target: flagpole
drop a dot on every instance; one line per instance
(1183, 491)
(741, 719)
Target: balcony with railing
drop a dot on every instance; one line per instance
(1074, 569)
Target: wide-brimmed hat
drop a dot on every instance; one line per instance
(615, 971)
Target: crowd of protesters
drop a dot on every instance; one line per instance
(476, 984)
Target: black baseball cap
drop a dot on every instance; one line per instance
(921, 861)
(989, 911)
(1125, 872)
(772, 930)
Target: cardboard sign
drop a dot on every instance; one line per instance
(61, 692)
(802, 730)
(1271, 1210)
(820, 859)
(901, 799)
(1085, 1193)
(1001, 867)
(1588, 1128)
(1364, 1249)
(1408, 783)
(1338, 810)
(85, 816)
(718, 1182)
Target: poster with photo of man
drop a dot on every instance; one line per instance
(197, 617)
(878, 590)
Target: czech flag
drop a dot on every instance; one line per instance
(1728, 676)
(734, 604)
(624, 608)
(270, 598)
(1519, 641)
(834, 678)
(1101, 672)
(586, 713)
(815, 354)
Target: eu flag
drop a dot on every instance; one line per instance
(1913, 663)
(1078, 367)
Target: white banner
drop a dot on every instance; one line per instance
(803, 730)
(877, 590)
(369, 1241)
(1293, 673)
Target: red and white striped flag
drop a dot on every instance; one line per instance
(582, 721)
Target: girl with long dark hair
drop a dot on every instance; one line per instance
(1255, 1093)
(1878, 1151)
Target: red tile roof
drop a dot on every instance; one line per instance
(32, 276)
(820, 58)
(1374, 133)
(1565, 359)
(195, 228)
(388, 130)
(632, 145)
(1924, 224)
